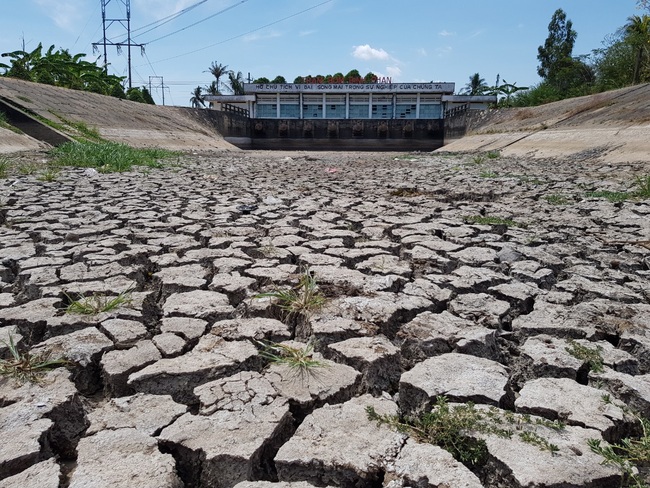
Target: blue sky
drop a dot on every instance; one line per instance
(407, 40)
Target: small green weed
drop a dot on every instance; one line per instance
(627, 455)
(612, 196)
(49, 175)
(592, 356)
(493, 155)
(492, 220)
(643, 186)
(4, 123)
(556, 199)
(300, 360)
(478, 159)
(24, 366)
(108, 157)
(452, 427)
(95, 304)
(535, 439)
(27, 169)
(302, 299)
(4, 167)
(488, 174)
(406, 192)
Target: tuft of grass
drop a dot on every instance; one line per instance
(453, 428)
(299, 360)
(491, 220)
(406, 192)
(643, 186)
(95, 304)
(488, 174)
(627, 455)
(302, 299)
(108, 157)
(493, 155)
(478, 159)
(4, 167)
(50, 174)
(24, 366)
(592, 356)
(556, 199)
(27, 169)
(612, 196)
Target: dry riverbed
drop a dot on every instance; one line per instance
(519, 286)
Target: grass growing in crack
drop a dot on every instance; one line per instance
(96, 303)
(49, 175)
(298, 359)
(24, 366)
(612, 196)
(406, 192)
(302, 299)
(493, 154)
(4, 167)
(643, 186)
(492, 220)
(592, 356)
(108, 157)
(452, 428)
(627, 455)
(556, 199)
(488, 174)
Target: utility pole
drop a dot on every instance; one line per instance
(107, 23)
(160, 85)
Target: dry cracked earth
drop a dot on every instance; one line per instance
(491, 281)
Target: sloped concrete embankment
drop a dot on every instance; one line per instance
(611, 127)
(136, 124)
(423, 301)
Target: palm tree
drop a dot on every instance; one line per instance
(236, 82)
(637, 31)
(218, 70)
(476, 85)
(197, 98)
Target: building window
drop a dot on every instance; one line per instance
(267, 107)
(430, 106)
(312, 106)
(335, 106)
(359, 106)
(290, 106)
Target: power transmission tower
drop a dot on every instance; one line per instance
(160, 85)
(107, 23)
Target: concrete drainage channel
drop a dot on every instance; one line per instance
(537, 316)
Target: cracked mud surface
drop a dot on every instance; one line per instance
(425, 298)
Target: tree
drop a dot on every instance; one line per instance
(353, 76)
(197, 98)
(236, 82)
(263, 80)
(212, 89)
(476, 85)
(60, 68)
(637, 34)
(556, 52)
(218, 71)
(279, 79)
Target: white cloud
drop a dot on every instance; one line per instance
(394, 71)
(157, 9)
(259, 36)
(307, 33)
(422, 52)
(367, 53)
(65, 14)
(444, 51)
(446, 33)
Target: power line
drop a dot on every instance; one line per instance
(242, 35)
(199, 22)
